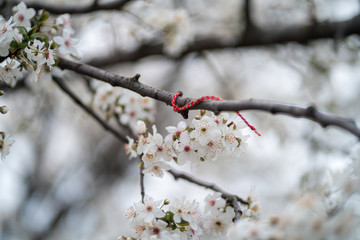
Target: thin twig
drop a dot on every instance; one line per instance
(247, 15)
(230, 198)
(108, 127)
(176, 174)
(142, 185)
(144, 90)
(237, 209)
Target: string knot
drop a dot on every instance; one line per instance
(192, 103)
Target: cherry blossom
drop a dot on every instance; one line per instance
(185, 210)
(125, 105)
(185, 149)
(64, 20)
(218, 222)
(67, 44)
(195, 143)
(176, 131)
(155, 168)
(205, 130)
(149, 210)
(130, 148)
(23, 15)
(5, 144)
(6, 35)
(40, 54)
(10, 71)
(213, 202)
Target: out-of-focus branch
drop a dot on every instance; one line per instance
(142, 185)
(95, 6)
(231, 198)
(247, 15)
(133, 84)
(256, 37)
(107, 126)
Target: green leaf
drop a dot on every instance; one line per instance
(44, 16)
(40, 36)
(53, 45)
(33, 30)
(14, 44)
(183, 223)
(23, 44)
(23, 32)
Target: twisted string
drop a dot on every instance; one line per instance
(176, 107)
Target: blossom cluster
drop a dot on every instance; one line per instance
(306, 218)
(128, 107)
(327, 209)
(171, 25)
(206, 138)
(30, 41)
(181, 218)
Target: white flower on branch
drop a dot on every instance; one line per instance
(10, 71)
(213, 202)
(5, 144)
(64, 21)
(205, 130)
(130, 148)
(67, 44)
(186, 149)
(23, 15)
(154, 167)
(149, 210)
(196, 143)
(218, 222)
(186, 210)
(6, 36)
(40, 54)
(127, 106)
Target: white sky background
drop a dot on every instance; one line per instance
(273, 163)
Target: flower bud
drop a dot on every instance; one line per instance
(4, 109)
(140, 127)
(1, 92)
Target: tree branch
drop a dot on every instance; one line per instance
(231, 198)
(133, 84)
(247, 15)
(95, 6)
(142, 185)
(255, 37)
(107, 127)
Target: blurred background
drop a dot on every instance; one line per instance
(67, 178)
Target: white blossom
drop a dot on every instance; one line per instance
(6, 36)
(149, 210)
(64, 20)
(205, 130)
(23, 15)
(213, 202)
(218, 222)
(5, 144)
(185, 149)
(155, 168)
(67, 44)
(10, 71)
(140, 127)
(130, 148)
(185, 210)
